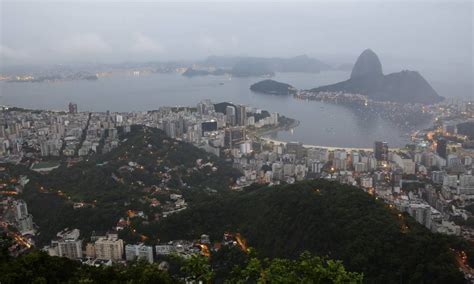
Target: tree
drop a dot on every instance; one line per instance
(197, 268)
(305, 269)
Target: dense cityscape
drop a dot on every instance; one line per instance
(237, 142)
(431, 179)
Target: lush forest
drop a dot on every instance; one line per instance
(108, 186)
(228, 265)
(325, 218)
(273, 87)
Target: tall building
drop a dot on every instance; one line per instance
(72, 108)
(205, 107)
(21, 210)
(67, 245)
(241, 115)
(233, 136)
(109, 247)
(230, 113)
(340, 160)
(441, 145)
(139, 252)
(381, 151)
(208, 126)
(22, 218)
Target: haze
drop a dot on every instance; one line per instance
(434, 37)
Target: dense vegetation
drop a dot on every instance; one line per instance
(108, 186)
(229, 265)
(325, 218)
(273, 88)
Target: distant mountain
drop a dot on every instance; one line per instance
(258, 66)
(368, 64)
(273, 88)
(368, 79)
(191, 72)
(252, 68)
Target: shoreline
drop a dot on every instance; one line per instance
(295, 123)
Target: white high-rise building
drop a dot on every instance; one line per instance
(109, 247)
(139, 252)
(67, 245)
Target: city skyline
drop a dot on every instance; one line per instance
(236, 142)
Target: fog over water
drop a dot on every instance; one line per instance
(321, 123)
(433, 37)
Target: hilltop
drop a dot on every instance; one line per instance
(273, 88)
(368, 79)
(325, 218)
(146, 167)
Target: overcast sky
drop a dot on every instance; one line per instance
(438, 32)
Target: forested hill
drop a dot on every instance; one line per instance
(273, 88)
(146, 165)
(325, 218)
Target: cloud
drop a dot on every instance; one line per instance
(82, 44)
(215, 45)
(7, 54)
(145, 44)
(209, 43)
(234, 40)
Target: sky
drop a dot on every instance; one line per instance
(402, 33)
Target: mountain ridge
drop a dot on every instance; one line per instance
(368, 79)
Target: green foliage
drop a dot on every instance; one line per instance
(5, 243)
(107, 199)
(273, 87)
(338, 221)
(38, 267)
(197, 268)
(305, 269)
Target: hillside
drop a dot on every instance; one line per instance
(401, 87)
(273, 88)
(146, 166)
(327, 219)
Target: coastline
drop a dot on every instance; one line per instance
(295, 123)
